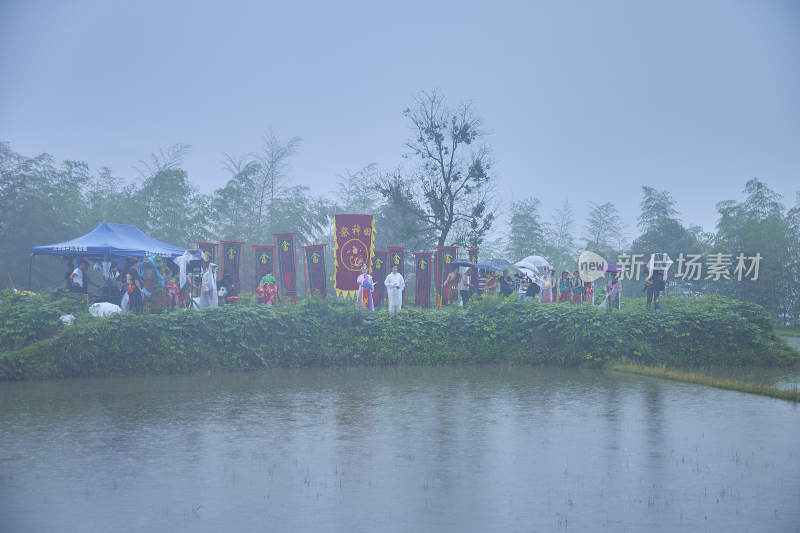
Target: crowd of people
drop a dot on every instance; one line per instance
(142, 280)
(459, 287)
(544, 289)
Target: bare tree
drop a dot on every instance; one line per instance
(453, 183)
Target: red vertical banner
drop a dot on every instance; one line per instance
(423, 265)
(473, 255)
(379, 275)
(232, 261)
(353, 248)
(445, 255)
(285, 257)
(396, 256)
(314, 269)
(263, 262)
(209, 250)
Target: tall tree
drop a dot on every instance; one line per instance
(656, 208)
(561, 248)
(452, 184)
(167, 207)
(357, 192)
(399, 221)
(271, 175)
(603, 232)
(526, 233)
(169, 158)
(759, 225)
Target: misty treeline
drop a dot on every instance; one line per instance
(760, 224)
(444, 194)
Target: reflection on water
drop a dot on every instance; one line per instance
(412, 449)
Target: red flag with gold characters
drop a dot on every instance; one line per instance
(422, 278)
(232, 261)
(445, 255)
(285, 245)
(473, 255)
(353, 247)
(315, 270)
(209, 250)
(263, 261)
(379, 275)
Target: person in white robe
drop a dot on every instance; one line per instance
(208, 288)
(394, 289)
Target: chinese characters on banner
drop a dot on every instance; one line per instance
(445, 255)
(263, 261)
(315, 270)
(353, 248)
(209, 250)
(231, 262)
(379, 275)
(691, 267)
(473, 255)
(396, 256)
(285, 257)
(422, 280)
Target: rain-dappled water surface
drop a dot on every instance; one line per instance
(410, 449)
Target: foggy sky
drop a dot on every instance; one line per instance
(585, 100)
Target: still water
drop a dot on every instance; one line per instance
(410, 449)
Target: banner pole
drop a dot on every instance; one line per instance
(244, 265)
(305, 276)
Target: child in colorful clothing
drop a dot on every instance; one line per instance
(564, 291)
(576, 286)
(365, 287)
(267, 290)
(588, 293)
(172, 289)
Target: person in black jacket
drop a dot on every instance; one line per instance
(506, 284)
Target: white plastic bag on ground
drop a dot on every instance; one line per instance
(67, 319)
(104, 309)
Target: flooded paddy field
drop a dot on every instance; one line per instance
(396, 449)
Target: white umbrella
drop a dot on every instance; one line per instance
(533, 262)
(532, 275)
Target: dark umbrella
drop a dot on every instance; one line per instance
(500, 262)
(487, 265)
(462, 263)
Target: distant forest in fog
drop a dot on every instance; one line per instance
(448, 198)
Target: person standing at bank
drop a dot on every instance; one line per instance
(576, 287)
(464, 285)
(79, 280)
(564, 287)
(613, 291)
(133, 287)
(394, 289)
(365, 287)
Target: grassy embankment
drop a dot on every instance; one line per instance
(791, 394)
(685, 333)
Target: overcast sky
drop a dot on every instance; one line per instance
(586, 100)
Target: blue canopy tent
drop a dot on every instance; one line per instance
(108, 242)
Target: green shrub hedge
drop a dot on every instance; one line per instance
(686, 332)
(26, 317)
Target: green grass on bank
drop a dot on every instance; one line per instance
(791, 394)
(789, 331)
(688, 332)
